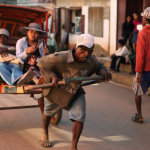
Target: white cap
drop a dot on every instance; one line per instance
(146, 13)
(85, 40)
(4, 31)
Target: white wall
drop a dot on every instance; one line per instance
(102, 41)
(45, 5)
(113, 25)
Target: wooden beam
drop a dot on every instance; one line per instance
(146, 3)
(13, 22)
(12, 29)
(4, 25)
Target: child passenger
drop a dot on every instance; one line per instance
(30, 48)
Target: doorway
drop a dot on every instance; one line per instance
(133, 6)
(125, 8)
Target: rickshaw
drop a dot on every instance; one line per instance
(12, 17)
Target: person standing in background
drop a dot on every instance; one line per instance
(136, 22)
(127, 28)
(52, 44)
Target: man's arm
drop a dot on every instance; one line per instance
(46, 63)
(140, 56)
(5, 49)
(140, 52)
(101, 70)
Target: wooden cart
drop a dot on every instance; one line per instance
(12, 17)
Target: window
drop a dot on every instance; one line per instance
(96, 21)
(74, 22)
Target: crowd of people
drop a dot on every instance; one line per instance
(126, 52)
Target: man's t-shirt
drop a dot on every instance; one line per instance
(64, 65)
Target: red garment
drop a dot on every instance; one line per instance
(143, 50)
(136, 22)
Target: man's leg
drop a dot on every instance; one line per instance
(121, 59)
(134, 46)
(139, 90)
(77, 114)
(16, 72)
(50, 109)
(113, 63)
(5, 73)
(76, 130)
(132, 62)
(44, 138)
(138, 101)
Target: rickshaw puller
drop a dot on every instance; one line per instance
(75, 63)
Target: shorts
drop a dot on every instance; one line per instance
(141, 88)
(77, 112)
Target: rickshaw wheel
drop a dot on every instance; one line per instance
(56, 118)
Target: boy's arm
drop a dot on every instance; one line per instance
(5, 49)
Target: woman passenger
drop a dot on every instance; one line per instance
(30, 48)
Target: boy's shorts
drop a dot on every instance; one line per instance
(141, 88)
(76, 112)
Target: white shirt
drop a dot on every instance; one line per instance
(22, 46)
(122, 51)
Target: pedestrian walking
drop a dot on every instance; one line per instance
(142, 79)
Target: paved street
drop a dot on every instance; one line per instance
(108, 123)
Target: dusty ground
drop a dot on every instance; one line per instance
(108, 123)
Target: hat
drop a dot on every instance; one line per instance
(33, 26)
(4, 31)
(85, 40)
(146, 13)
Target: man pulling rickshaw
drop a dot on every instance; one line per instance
(76, 63)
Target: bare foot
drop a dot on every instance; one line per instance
(44, 140)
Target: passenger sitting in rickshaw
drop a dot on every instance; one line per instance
(11, 66)
(30, 48)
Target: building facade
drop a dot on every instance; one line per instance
(101, 18)
(10, 2)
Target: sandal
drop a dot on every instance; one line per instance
(135, 119)
(42, 143)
